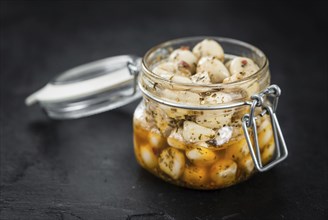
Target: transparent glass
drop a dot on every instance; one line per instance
(167, 140)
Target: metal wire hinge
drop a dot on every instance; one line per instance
(249, 121)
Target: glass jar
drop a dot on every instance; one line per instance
(192, 135)
(185, 135)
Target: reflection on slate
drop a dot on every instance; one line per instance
(85, 168)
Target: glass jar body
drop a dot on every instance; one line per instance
(192, 136)
(160, 147)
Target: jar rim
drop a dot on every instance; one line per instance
(262, 69)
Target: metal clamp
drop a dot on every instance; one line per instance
(249, 120)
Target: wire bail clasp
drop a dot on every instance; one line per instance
(249, 121)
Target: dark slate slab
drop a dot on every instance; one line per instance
(85, 168)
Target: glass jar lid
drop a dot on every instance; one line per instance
(90, 88)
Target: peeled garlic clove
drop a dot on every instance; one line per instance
(193, 132)
(155, 138)
(265, 123)
(265, 136)
(243, 66)
(181, 96)
(268, 152)
(214, 119)
(238, 150)
(247, 164)
(233, 78)
(169, 69)
(195, 175)
(224, 172)
(209, 146)
(217, 118)
(148, 157)
(167, 66)
(224, 134)
(183, 68)
(201, 78)
(172, 162)
(162, 121)
(202, 144)
(176, 140)
(165, 70)
(142, 118)
(136, 146)
(216, 98)
(237, 134)
(249, 88)
(164, 74)
(201, 156)
(208, 47)
(176, 113)
(184, 58)
(215, 68)
(180, 79)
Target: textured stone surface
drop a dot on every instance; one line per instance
(85, 168)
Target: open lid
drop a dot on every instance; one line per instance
(90, 88)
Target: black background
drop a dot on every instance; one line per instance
(85, 168)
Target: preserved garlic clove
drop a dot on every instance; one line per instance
(209, 145)
(214, 119)
(193, 132)
(268, 152)
(176, 140)
(217, 118)
(142, 118)
(155, 138)
(265, 136)
(265, 123)
(208, 47)
(195, 175)
(172, 162)
(201, 78)
(232, 78)
(203, 144)
(243, 66)
(238, 150)
(215, 68)
(251, 88)
(164, 74)
(223, 135)
(181, 96)
(180, 79)
(247, 164)
(201, 156)
(136, 147)
(165, 70)
(224, 172)
(185, 59)
(169, 69)
(148, 157)
(162, 121)
(176, 113)
(216, 98)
